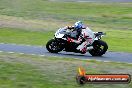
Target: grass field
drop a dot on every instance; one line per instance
(26, 71)
(98, 15)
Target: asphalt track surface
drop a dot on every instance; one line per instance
(40, 50)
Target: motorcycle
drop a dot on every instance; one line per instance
(59, 43)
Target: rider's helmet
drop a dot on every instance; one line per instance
(78, 25)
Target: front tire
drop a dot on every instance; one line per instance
(53, 46)
(100, 48)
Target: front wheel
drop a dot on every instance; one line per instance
(99, 48)
(53, 46)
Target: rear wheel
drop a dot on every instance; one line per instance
(100, 47)
(54, 46)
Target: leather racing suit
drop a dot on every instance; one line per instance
(79, 35)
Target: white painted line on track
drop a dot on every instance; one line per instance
(11, 52)
(22, 44)
(2, 43)
(33, 54)
(1, 51)
(99, 60)
(107, 61)
(21, 53)
(42, 55)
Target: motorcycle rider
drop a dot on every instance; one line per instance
(81, 33)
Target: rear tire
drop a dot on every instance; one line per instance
(100, 48)
(53, 46)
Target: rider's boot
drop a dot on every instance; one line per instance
(83, 47)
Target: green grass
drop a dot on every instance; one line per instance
(20, 36)
(26, 71)
(19, 75)
(117, 39)
(110, 15)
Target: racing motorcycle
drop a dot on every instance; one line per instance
(59, 43)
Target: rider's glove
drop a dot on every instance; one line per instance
(69, 39)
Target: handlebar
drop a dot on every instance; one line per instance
(99, 33)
